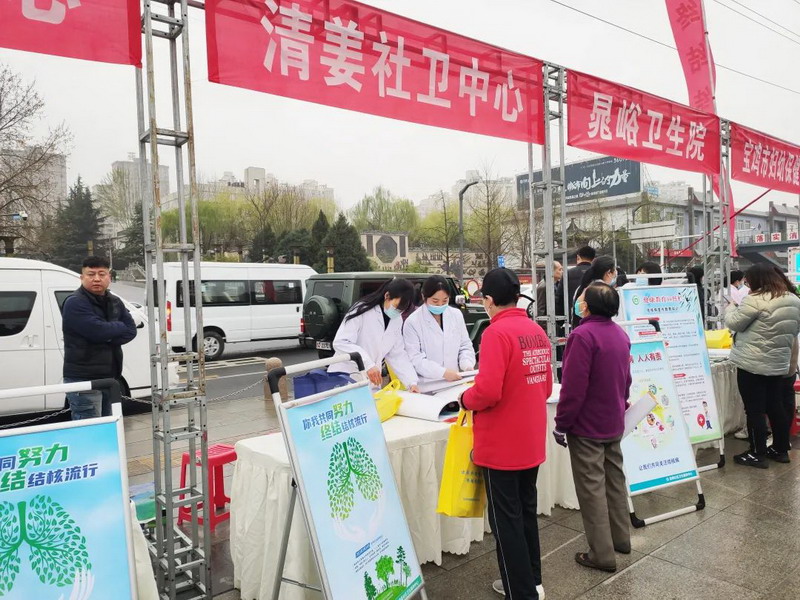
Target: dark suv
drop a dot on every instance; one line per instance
(330, 295)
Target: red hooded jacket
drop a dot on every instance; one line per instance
(510, 393)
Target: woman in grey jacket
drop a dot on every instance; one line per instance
(765, 324)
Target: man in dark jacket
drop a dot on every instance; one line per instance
(570, 284)
(96, 324)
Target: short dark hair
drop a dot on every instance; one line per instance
(586, 252)
(601, 299)
(651, 268)
(434, 284)
(95, 262)
(697, 274)
(737, 275)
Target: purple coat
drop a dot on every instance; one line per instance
(596, 380)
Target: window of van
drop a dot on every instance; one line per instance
(15, 310)
(217, 293)
(277, 292)
(61, 297)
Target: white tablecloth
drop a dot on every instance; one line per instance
(145, 578)
(729, 402)
(261, 489)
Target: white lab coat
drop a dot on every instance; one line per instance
(433, 349)
(366, 335)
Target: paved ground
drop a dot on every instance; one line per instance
(743, 545)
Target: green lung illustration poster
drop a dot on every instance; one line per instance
(350, 489)
(62, 516)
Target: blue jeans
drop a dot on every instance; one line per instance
(88, 405)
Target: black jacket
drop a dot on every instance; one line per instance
(95, 327)
(572, 278)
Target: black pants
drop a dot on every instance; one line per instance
(512, 515)
(762, 397)
(789, 407)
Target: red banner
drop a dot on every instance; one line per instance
(762, 160)
(687, 19)
(613, 119)
(688, 28)
(100, 30)
(349, 55)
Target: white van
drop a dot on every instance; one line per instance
(242, 302)
(32, 294)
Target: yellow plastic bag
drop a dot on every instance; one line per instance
(462, 493)
(387, 401)
(719, 338)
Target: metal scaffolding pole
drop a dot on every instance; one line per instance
(181, 557)
(553, 104)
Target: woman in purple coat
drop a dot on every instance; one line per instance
(591, 418)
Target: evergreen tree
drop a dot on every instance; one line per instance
(262, 246)
(318, 232)
(132, 251)
(349, 254)
(300, 240)
(369, 587)
(77, 224)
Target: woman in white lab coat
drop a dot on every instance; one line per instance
(373, 327)
(436, 336)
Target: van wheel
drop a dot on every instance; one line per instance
(213, 345)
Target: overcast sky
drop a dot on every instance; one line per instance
(355, 152)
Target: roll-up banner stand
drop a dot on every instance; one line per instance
(343, 477)
(677, 309)
(656, 450)
(65, 519)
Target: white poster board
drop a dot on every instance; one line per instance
(349, 496)
(677, 310)
(64, 512)
(657, 453)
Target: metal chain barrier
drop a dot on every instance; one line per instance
(147, 401)
(36, 419)
(225, 397)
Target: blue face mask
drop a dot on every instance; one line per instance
(437, 310)
(613, 282)
(392, 312)
(577, 309)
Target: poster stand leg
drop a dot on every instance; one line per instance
(287, 529)
(638, 523)
(719, 464)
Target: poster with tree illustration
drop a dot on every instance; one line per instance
(63, 514)
(350, 498)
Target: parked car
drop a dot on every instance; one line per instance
(329, 296)
(32, 295)
(242, 302)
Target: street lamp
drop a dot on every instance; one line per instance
(329, 251)
(461, 228)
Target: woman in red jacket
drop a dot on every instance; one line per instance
(509, 399)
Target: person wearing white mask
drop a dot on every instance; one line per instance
(373, 327)
(603, 269)
(436, 338)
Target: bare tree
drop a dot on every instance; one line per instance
(117, 197)
(25, 161)
(439, 230)
(491, 208)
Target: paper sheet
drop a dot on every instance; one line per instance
(637, 412)
(430, 387)
(427, 407)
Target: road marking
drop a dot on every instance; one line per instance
(567, 543)
(207, 378)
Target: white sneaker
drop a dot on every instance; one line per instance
(742, 434)
(497, 586)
